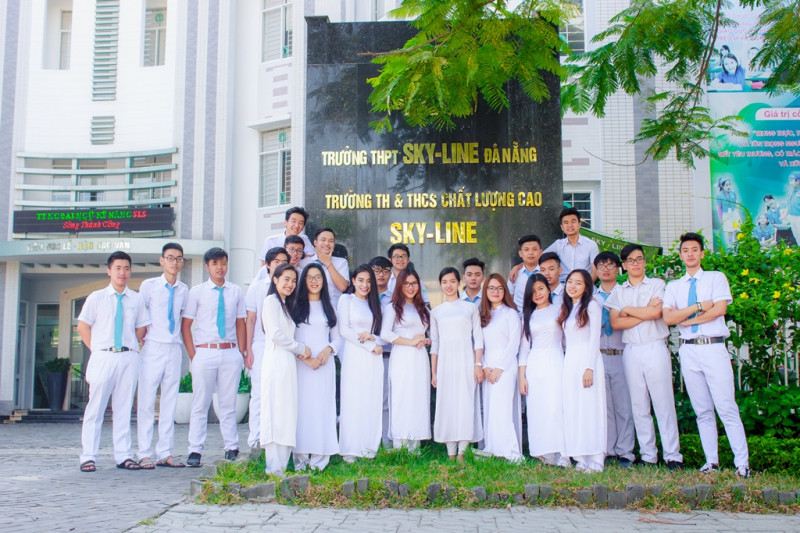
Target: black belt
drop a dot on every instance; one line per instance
(704, 340)
(118, 350)
(609, 351)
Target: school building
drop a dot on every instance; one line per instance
(128, 124)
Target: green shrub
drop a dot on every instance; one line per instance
(767, 454)
(244, 383)
(58, 365)
(185, 384)
(772, 412)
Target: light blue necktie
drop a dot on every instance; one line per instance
(170, 307)
(607, 330)
(118, 322)
(693, 299)
(220, 313)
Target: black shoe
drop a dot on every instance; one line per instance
(675, 465)
(231, 455)
(611, 459)
(193, 460)
(625, 463)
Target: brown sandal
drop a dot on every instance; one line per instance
(170, 463)
(88, 466)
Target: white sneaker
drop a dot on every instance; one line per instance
(564, 462)
(709, 468)
(582, 467)
(742, 471)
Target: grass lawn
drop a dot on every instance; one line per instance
(499, 477)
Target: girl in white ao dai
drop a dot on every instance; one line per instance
(456, 367)
(361, 397)
(279, 372)
(404, 323)
(541, 366)
(585, 421)
(316, 376)
(501, 403)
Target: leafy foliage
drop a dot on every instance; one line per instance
(58, 365)
(185, 384)
(468, 49)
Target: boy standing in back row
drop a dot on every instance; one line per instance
(112, 324)
(160, 365)
(216, 350)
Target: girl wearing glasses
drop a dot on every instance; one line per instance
(456, 367)
(502, 425)
(541, 368)
(361, 400)
(404, 325)
(584, 375)
(316, 376)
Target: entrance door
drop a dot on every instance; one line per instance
(79, 355)
(45, 349)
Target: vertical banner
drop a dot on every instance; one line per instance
(760, 172)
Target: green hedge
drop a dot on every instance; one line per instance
(767, 454)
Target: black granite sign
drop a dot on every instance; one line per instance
(448, 195)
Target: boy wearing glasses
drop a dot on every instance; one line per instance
(160, 363)
(400, 257)
(295, 247)
(618, 399)
(635, 308)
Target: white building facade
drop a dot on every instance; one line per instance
(142, 106)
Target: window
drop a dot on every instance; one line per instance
(582, 201)
(60, 179)
(276, 30)
(573, 32)
(156, 193)
(65, 40)
(91, 164)
(155, 36)
(275, 169)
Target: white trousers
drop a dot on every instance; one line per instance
(708, 375)
(648, 371)
(386, 422)
(110, 375)
(459, 446)
(314, 460)
(619, 415)
(277, 456)
(159, 365)
(210, 368)
(254, 415)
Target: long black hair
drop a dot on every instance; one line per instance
(373, 300)
(301, 308)
(273, 289)
(583, 305)
(528, 307)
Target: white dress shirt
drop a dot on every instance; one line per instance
(254, 302)
(201, 306)
(517, 288)
(627, 295)
(100, 311)
(579, 256)
(710, 286)
(155, 295)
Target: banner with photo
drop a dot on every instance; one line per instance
(758, 173)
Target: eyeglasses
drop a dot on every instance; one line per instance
(635, 260)
(378, 270)
(492, 288)
(170, 259)
(314, 279)
(400, 257)
(295, 250)
(411, 284)
(607, 266)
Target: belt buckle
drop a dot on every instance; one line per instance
(703, 340)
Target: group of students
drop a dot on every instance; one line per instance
(589, 361)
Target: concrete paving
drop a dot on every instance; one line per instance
(42, 490)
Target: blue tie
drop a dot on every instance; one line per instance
(118, 322)
(607, 330)
(171, 308)
(693, 299)
(220, 313)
